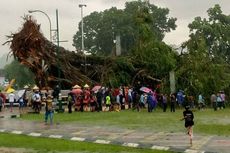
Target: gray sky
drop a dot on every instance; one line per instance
(12, 11)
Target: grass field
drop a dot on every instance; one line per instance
(206, 121)
(47, 145)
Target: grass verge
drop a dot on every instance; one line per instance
(48, 145)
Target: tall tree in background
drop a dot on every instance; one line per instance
(20, 73)
(204, 67)
(215, 31)
(101, 28)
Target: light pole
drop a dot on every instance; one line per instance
(82, 32)
(32, 11)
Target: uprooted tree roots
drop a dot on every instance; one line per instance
(51, 64)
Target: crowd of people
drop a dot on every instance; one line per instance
(98, 98)
(106, 99)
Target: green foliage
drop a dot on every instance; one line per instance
(204, 67)
(215, 32)
(20, 73)
(120, 72)
(139, 20)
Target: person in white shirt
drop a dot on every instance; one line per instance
(37, 101)
(11, 98)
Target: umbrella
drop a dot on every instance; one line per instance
(96, 88)
(10, 90)
(21, 93)
(76, 91)
(145, 89)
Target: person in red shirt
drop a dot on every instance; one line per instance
(3, 96)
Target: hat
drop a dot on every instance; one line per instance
(86, 86)
(35, 87)
(76, 87)
(26, 87)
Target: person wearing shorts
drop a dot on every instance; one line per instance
(188, 118)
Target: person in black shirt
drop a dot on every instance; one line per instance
(188, 117)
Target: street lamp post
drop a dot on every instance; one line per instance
(82, 32)
(33, 11)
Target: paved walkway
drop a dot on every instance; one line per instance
(177, 142)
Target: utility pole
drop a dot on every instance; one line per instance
(58, 48)
(82, 33)
(58, 66)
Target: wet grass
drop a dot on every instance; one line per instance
(206, 122)
(48, 145)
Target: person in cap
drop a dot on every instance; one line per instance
(49, 109)
(188, 118)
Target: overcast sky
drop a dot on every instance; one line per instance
(12, 11)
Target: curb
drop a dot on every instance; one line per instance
(100, 141)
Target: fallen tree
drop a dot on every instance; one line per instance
(52, 65)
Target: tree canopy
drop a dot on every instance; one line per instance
(21, 73)
(100, 28)
(204, 67)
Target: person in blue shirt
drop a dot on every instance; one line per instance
(180, 98)
(151, 101)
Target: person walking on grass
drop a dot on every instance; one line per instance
(172, 102)
(21, 105)
(70, 102)
(11, 98)
(164, 102)
(108, 103)
(188, 118)
(213, 101)
(49, 110)
(1, 103)
(3, 98)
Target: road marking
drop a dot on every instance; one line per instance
(198, 144)
(131, 145)
(102, 141)
(56, 136)
(160, 147)
(35, 134)
(193, 151)
(16, 132)
(77, 139)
